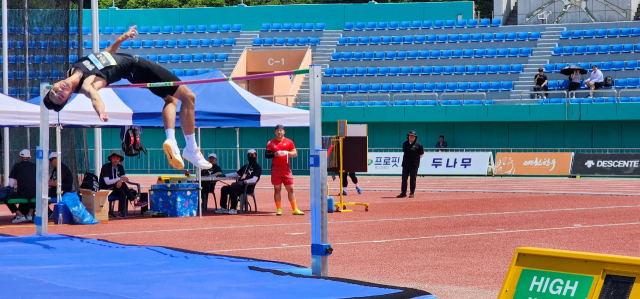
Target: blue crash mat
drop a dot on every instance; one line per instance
(56, 266)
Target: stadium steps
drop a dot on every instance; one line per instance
(512, 20)
(326, 47)
(637, 16)
(540, 56)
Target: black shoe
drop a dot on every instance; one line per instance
(403, 195)
(411, 195)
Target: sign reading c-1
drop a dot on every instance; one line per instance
(272, 61)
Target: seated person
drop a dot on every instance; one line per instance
(541, 83)
(23, 173)
(575, 82)
(595, 81)
(209, 186)
(67, 177)
(112, 177)
(248, 174)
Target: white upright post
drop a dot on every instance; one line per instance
(59, 168)
(42, 168)
(5, 84)
(320, 249)
(237, 148)
(95, 39)
(199, 176)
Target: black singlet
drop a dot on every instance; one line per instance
(112, 67)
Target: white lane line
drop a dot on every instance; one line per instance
(358, 221)
(488, 191)
(442, 236)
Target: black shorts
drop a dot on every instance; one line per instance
(147, 71)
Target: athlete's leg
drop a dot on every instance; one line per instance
(170, 146)
(187, 123)
(276, 197)
(292, 200)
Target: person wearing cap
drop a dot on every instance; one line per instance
(279, 150)
(541, 83)
(210, 186)
(112, 177)
(67, 177)
(441, 144)
(248, 175)
(413, 152)
(23, 173)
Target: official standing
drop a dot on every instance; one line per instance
(413, 152)
(280, 149)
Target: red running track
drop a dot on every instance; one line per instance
(452, 244)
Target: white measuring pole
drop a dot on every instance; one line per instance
(318, 177)
(42, 168)
(199, 176)
(59, 168)
(95, 40)
(5, 84)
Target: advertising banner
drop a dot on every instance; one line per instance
(433, 163)
(533, 163)
(606, 164)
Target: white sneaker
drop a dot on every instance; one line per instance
(196, 158)
(29, 218)
(221, 211)
(19, 219)
(172, 151)
(233, 212)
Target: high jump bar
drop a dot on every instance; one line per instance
(214, 80)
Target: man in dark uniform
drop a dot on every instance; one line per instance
(248, 174)
(90, 74)
(67, 177)
(209, 186)
(23, 173)
(112, 177)
(413, 152)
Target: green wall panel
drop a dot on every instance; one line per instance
(301, 136)
(467, 113)
(628, 111)
(607, 134)
(434, 130)
(495, 135)
(630, 132)
(466, 135)
(600, 111)
(424, 113)
(550, 135)
(386, 135)
(508, 112)
(578, 135)
(256, 137)
(547, 112)
(226, 138)
(522, 135)
(208, 138)
(383, 114)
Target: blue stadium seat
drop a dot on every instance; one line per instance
(165, 29)
(343, 88)
(513, 52)
(153, 57)
(581, 50)
(236, 28)
(533, 36)
(408, 87)
(626, 32)
(449, 69)
(577, 34)
(171, 43)
(503, 52)
(516, 69)
(456, 53)
(589, 33)
(359, 26)
(430, 87)
(485, 22)
(349, 71)
(472, 23)
(496, 22)
(479, 53)
(137, 44)
(471, 69)
(638, 48)
(394, 71)
(512, 36)
(494, 69)
(396, 40)
(634, 83)
(616, 49)
(461, 23)
(109, 30)
(189, 72)
(308, 27)
(452, 86)
(569, 50)
(618, 66)
(499, 37)
(495, 86)
(566, 34)
(483, 69)
(364, 88)
(229, 41)
(339, 72)
(414, 54)
(622, 83)
(164, 58)
(147, 44)
(467, 53)
(361, 71)
(431, 38)
(552, 84)
(383, 71)
(476, 37)
(409, 39)
(460, 70)
(592, 49)
(454, 38)
(174, 58)
(265, 27)
(193, 43)
(349, 26)
(631, 65)
(198, 57)
(505, 69)
(352, 41)
(450, 24)
(507, 86)
(423, 54)
(201, 29)
(420, 39)
(182, 43)
(401, 55)
(178, 29)
(427, 70)
(386, 40)
(379, 55)
(604, 49)
(405, 25)
(390, 55)
(614, 32)
(438, 70)
(625, 100)
(440, 86)
(487, 37)
(364, 40)
(396, 87)
(343, 41)
(601, 33)
(465, 37)
(225, 28)
(473, 86)
(438, 24)
(221, 57)
(371, 71)
(491, 53)
(393, 25)
(416, 70)
(627, 48)
(160, 43)
(302, 41)
(522, 36)
(446, 54)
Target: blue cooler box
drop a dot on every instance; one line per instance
(174, 200)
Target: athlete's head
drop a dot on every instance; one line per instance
(58, 96)
(280, 131)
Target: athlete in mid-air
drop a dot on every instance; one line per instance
(91, 73)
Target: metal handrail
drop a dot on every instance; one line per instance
(335, 95)
(367, 95)
(415, 96)
(615, 92)
(295, 97)
(484, 100)
(542, 91)
(627, 90)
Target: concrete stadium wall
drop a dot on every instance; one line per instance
(600, 11)
(252, 17)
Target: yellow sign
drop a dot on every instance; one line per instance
(537, 273)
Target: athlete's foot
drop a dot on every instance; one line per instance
(172, 151)
(279, 212)
(359, 191)
(196, 158)
(297, 212)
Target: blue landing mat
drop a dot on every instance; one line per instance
(56, 266)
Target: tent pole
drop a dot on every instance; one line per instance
(237, 148)
(199, 174)
(59, 168)
(95, 38)
(320, 248)
(5, 83)
(42, 168)
(5, 138)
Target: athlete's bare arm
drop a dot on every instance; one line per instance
(90, 88)
(293, 153)
(127, 35)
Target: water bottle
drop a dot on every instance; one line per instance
(60, 219)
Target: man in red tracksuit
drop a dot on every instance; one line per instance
(279, 150)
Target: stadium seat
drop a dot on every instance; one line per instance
(394, 71)
(513, 52)
(393, 25)
(441, 86)
(236, 28)
(229, 41)
(165, 29)
(625, 32)
(450, 24)
(190, 72)
(427, 24)
(308, 27)
(460, 70)
(405, 25)
(461, 23)
(607, 66)
(178, 29)
(476, 37)
(550, 68)
(491, 53)
(342, 41)
(581, 50)
(454, 38)
(484, 86)
(494, 69)
(442, 38)
(364, 40)
(637, 48)
(495, 86)
(456, 53)
(499, 37)
(614, 32)
(569, 50)
(577, 34)
(533, 36)
(164, 58)
(359, 26)
(472, 23)
(487, 37)
(182, 43)
(446, 54)
(622, 83)
(452, 86)
(413, 54)
(409, 39)
(449, 69)
(496, 22)
(634, 83)
(616, 49)
(592, 49)
(423, 54)
(438, 70)
(390, 55)
(265, 27)
(380, 55)
(471, 70)
(420, 39)
(361, 72)
(171, 43)
(601, 33)
(604, 49)
(349, 71)
(427, 70)
(147, 44)
(465, 38)
(627, 48)
(197, 57)
(625, 100)
(352, 41)
(512, 36)
(431, 38)
(385, 40)
(618, 66)
(430, 87)
(174, 58)
(349, 26)
(480, 53)
(566, 34)
(339, 72)
(401, 55)
(485, 23)
(371, 71)
(507, 86)
(383, 71)
(396, 87)
(473, 86)
(522, 36)
(408, 87)
(503, 52)
(631, 65)
(438, 24)
(221, 57)
(302, 41)
(364, 88)
(467, 53)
